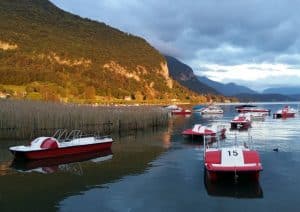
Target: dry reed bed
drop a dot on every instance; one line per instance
(20, 119)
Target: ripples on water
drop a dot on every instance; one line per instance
(159, 171)
(266, 135)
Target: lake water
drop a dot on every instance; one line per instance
(159, 171)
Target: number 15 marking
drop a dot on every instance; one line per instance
(232, 153)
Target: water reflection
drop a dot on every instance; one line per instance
(161, 171)
(212, 116)
(4, 168)
(63, 164)
(229, 188)
(193, 142)
(131, 156)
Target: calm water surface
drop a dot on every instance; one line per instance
(159, 171)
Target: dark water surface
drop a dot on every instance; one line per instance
(159, 171)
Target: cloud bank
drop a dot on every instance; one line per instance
(232, 35)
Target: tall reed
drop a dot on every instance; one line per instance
(21, 119)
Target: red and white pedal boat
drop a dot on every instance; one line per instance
(200, 131)
(241, 121)
(286, 112)
(212, 109)
(181, 111)
(252, 109)
(235, 160)
(57, 146)
(231, 161)
(171, 107)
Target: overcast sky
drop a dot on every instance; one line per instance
(250, 42)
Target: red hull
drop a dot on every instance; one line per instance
(61, 152)
(51, 163)
(255, 168)
(285, 112)
(181, 112)
(253, 110)
(283, 115)
(190, 132)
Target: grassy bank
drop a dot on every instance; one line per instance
(21, 119)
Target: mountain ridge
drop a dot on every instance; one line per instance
(228, 89)
(292, 90)
(246, 97)
(184, 74)
(52, 54)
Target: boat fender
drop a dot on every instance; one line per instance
(49, 143)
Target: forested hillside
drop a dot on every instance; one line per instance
(47, 53)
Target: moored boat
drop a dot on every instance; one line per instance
(200, 131)
(241, 121)
(242, 106)
(181, 111)
(212, 109)
(252, 109)
(286, 112)
(171, 107)
(233, 161)
(56, 146)
(198, 108)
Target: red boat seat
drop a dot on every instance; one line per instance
(49, 143)
(213, 157)
(251, 157)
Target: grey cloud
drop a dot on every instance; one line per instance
(263, 31)
(247, 24)
(268, 83)
(204, 69)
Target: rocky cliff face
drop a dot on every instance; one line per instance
(186, 77)
(164, 71)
